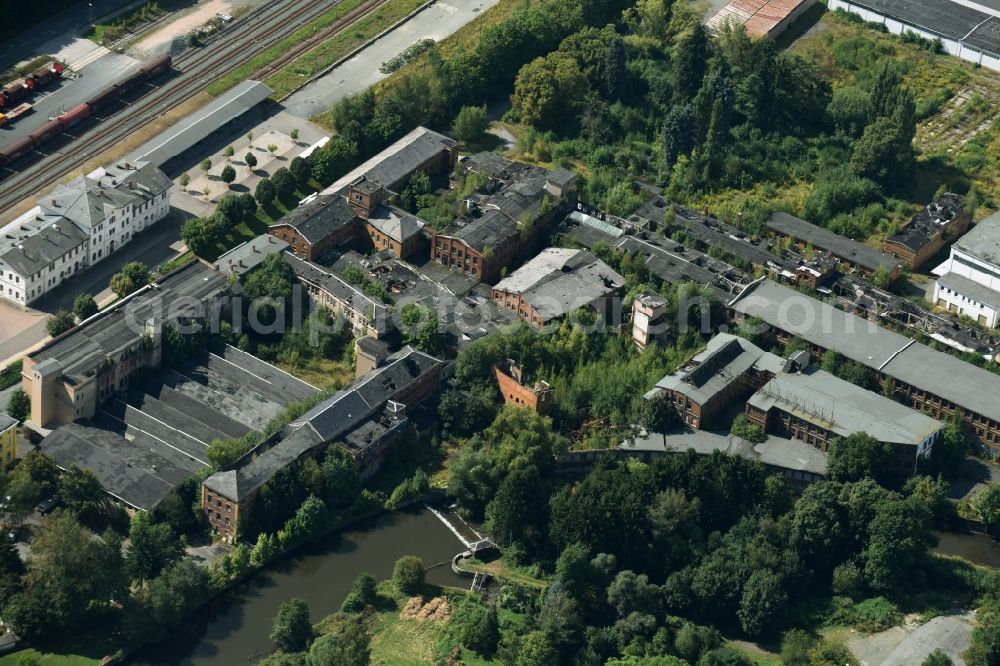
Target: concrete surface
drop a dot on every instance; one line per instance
(246, 178)
(59, 97)
(905, 646)
(436, 22)
(56, 31)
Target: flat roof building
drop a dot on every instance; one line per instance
(930, 381)
(969, 282)
(557, 282)
(968, 30)
(851, 252)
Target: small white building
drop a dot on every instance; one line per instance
(78, 225)
(969, 281)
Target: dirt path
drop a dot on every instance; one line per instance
(183, 25)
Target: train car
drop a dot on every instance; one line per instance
(42, 76)
(16, 150)
(130, 82)
(46, 132)
(157, 66)
(17, 111)
(103, 98)
(13, 93)
(75, 115)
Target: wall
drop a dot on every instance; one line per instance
(522, 396)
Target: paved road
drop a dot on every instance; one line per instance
(55, 32)
(90, 80)
(436, 22)
(151, 248)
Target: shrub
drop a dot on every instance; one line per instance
(408, 574)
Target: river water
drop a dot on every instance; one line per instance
(234, 629)
(976, 548)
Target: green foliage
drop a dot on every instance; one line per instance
(228, 174)
(937, 658)
(471, 123)
(152, 547)
(81, 494)
(856, 456)
(60, 322)
(876, 614)
(291, 630)
(408, 574)
(742, 427)
(407, 55)
(19, 405)
(84, 306)
(309, 522)
(548, 90)
(251, 160)
(985, 640)
(284, 182)
(420, 327)
(415, 486)
(265, 192)
(164, 602)
(763, 604)
(986, 505)
(362, 595)
(133, 276)
(349, 644)
(300, 170)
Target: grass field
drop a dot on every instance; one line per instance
(36, 658)
(320, 372)
(291, 76)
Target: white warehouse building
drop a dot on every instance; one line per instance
(78, 225)
(968, 29)
(969, 281)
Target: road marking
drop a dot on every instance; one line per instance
(98, 53)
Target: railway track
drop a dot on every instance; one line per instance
(196, 68)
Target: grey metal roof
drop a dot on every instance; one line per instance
(711, 233)
(398, 161)
(560, 280)
(983, 240)
(949, 20)
(823, 239)
(844, 408)
(203, 122)
(86, 346)
(395, 223)
(48, 244)
(319, 218)
(249, 255)
(952, 379)
(725, 358)
(490, 230)
(6, 422)
(670, 267)
(400, 371)
(139, 472)
(970, 289)
(333, 417)
(339, 289)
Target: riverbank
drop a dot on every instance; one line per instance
(234, 626)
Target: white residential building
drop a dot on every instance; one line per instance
(969, 281)
(78, 225)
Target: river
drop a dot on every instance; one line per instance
(976, 548)
(234, 629)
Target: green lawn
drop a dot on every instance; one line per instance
(266, 216)
(46, 659)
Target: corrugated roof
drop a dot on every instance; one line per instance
(203, 122)
(319, 218)
(759, 16)
(823, 239)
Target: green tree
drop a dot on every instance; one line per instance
(689, 62)
(420, 327)
(159, 607)
(300, 171)
(133, 276)
(265, 192)
(549, 90)
(294, 134)
(535, 648)
(763, 603)
(151, 547)
(347, 645)
(363, 594)
(19, 405)
(205, 165)
(60, 322)
(856, 456)
(81, 494)
(334, 159)
(519, 508)
(795, 647)
(228, 175)
(849, 110)
(883, 153)
(284, 183)
(985, 647)
(986, 505)
(471, 123)
(228, 151)
(291, 630)
(678, 133)
(408, 574)
(898, 539)
(84, 306)
(658, 414)
(72, 578)
(250, 160)
(184, 180)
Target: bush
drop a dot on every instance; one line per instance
(742, 427)
(408, 574)
(59, 323)
(19, 405)
(875, 614)
(471, 123)
(412, 487)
